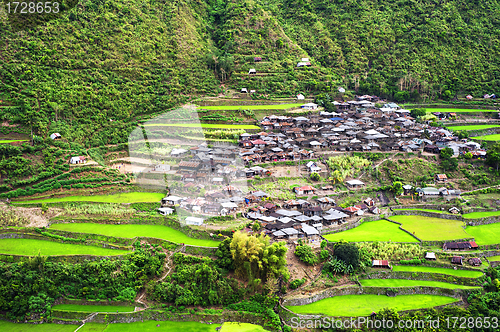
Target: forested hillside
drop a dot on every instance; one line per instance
(96, 69)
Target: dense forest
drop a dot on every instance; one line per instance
(99, 67)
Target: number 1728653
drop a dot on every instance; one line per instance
(32, 7)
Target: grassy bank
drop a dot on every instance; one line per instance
(132, 231)
(486, 214)
(379, 230)
(459, 110)
(495, 137)
(32, 247)
(5, 141)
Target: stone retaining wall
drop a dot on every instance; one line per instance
(431, 276)
(355, 290)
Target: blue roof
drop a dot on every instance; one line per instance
(336, 119)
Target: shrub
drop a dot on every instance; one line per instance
(306, 254)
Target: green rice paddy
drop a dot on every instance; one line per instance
(379, 230)
(362, 305)
(32, 247)
(410, 283)
(132, 197)
(475, 215)
(133, 230)
(474, 127)
(495, 137)
(47, 327)
(485, 234)
(424, 210)
(5, 141)
(241, 327)
(202, 125)
(93, 308)
(148, 326)
(494, 258)
(432, 229)
(457, 110)
(251, 107)
(442, 270)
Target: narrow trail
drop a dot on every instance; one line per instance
(90, 317)
(168, 269)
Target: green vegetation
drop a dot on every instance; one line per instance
(410, 283)
(203, 125)
(148, 326)
(12, 140)
(432, 229)
(252, 107)
(458, 110)
(241, 327)
(30, 286)
(495, 137)
(424, 210)
(379, 230)
(47, 327)
(93, 308)
(133, 197)
(363, 305)
(494, 259)
(306, 254)
(389, 251)
(346, 166)
(485, 234)
(486, 214)
(31, 247)
(132, 230)
(473, 127)
(452, 272)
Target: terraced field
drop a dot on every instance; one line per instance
(494, 259)
(432, 229)
(486, 214)
(132, 197)
(251, 107)
(32, 247)
(424, 210)
(6, 141)
(451, 272)
(361, 305)
(485, 234)
(132, 230)
(458, 110)
(410, 283)
(202, 125)
(47, 327)
(93, 308)
(241, 327)
(495, 137)
(379, 230)
(473, 127)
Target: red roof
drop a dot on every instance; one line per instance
(351, 209)
(258, 142)
(473, 244)
(307, 188)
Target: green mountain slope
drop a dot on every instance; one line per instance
(97, 68)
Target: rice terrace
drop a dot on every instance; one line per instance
(246, 166)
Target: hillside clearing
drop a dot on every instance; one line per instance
(132, 230)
